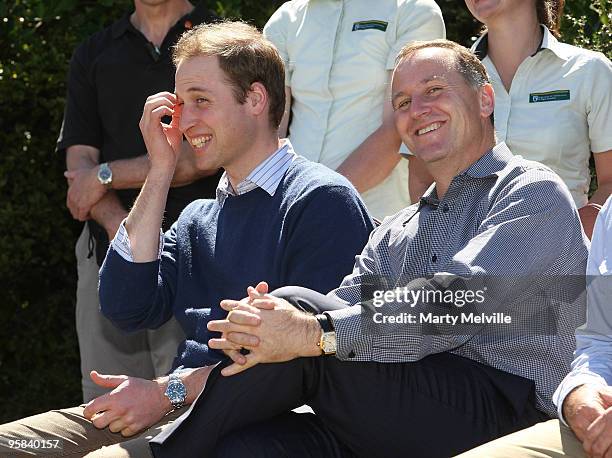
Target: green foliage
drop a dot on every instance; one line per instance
(39, 366)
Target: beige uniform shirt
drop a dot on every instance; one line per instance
(558, 110)
(338, 56)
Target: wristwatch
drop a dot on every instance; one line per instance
(176, 391)
(105, 174)
(327, 343)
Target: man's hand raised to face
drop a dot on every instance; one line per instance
(131, 407)
(270, 328)
(163, 141)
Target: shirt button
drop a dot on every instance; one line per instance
(434, 258)
(351, 354)
(445, 208)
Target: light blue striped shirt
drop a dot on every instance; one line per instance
(267, 176)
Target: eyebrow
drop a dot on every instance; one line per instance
(423, 81)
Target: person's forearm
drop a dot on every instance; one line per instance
(601, 195)
(145, 219)
(373, 160)
(109, 213)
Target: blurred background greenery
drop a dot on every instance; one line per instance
(39, 362)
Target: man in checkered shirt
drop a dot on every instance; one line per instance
(426, 378)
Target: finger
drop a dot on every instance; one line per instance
(223, 344)
(127, 432)
(265, 303)
(163, 94)
(69, 174)
(162, 111)
(116, 425)
(96, 406)
(243, 339)
(233, 369)
(243, 317)
(229, 304)
(262, 287)
(236, 356)
(227, 326)
(598, 437)
(102, 419)
(606, 396)
(176, 116)
(107, 381)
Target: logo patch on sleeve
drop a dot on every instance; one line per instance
(368, 25)
(552, 96)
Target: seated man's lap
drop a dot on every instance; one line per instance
(550, 439)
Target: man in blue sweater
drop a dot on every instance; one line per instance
(276, 216)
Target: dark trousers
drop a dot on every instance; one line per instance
(435, 407)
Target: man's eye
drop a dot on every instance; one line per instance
(201, 100)
(433, 90)
(403, 104)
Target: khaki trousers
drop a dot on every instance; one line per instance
(108, 350)
(550, 439)
(77, 437)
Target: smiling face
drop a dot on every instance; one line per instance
(440, 117)
(212, 120)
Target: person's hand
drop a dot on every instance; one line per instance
(584, 405)
(84, 191)
(131, 407)
(163, 141)
(234, 350)
(269, 327)
(597, 437)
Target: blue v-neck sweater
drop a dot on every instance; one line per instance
(306, 234)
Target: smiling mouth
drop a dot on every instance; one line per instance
(199, 142)
(429, 128)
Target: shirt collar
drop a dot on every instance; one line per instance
(481, 46)
(267, 175)
(490, 164)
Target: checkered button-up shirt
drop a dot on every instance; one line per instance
(503, 217)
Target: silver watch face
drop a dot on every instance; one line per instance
(105, 174)
(176, 392)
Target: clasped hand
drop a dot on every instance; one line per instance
(269, 327)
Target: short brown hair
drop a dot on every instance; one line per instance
(245, 57)
(466, 62)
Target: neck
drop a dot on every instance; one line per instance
(511, 39)
(444, 171)
(259, 151)
(154, 21)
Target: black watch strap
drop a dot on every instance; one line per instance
(325, 322)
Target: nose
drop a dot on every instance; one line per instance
(187, 119)
(419, 107)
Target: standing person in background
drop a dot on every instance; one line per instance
(111, 75)
(553, 100)
(338, 57)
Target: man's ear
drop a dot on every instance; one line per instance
(487, 100)
(257, 99)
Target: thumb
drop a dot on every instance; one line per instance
(107, 381)
(606, 396)
(262, 287)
